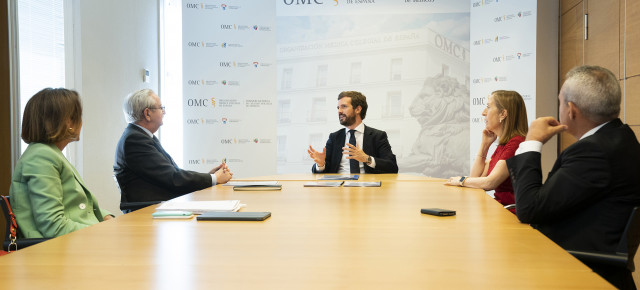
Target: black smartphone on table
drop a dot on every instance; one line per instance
(438, 211)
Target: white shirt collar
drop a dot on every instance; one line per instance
(144, 129)
(594, 130)
(359, 128)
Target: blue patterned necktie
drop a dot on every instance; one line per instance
(354, 165)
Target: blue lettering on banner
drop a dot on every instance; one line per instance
(193, 121)
(194, 161)
(298, 2)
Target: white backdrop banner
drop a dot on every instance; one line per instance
(261, 80)
(503, 53)
(229, 86)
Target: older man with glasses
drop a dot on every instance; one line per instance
(143, 169)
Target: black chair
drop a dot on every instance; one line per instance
(10, 243)
(623, 257)
(624, 254)
(129, 206)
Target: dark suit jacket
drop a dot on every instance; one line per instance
(146, 172)
(588, 196)
(374, 143)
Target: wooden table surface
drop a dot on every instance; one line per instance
(317, 238)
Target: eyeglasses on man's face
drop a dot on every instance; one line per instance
(158, 108)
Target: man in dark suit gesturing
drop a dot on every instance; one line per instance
(588, 196)
(144, 170)
(356, 148)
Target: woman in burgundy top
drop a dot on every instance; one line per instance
(506, 120)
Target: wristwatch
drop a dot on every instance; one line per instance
(369, 160)
(462, 180)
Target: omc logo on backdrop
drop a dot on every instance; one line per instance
(303, 2)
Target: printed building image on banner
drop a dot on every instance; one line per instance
(412, 64)
(229, 86)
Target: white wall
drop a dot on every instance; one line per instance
(114, 41)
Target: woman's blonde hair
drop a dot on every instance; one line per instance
(47, 113)
(516, 121)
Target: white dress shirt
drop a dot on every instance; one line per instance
(536, 146)
(344, 167)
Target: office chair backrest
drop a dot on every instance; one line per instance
(127, 206)
(631, 238)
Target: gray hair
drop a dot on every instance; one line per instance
(595, 91)
(135, 104)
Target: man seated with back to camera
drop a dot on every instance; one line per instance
(357, 148)
(144, 170)
(587, 199)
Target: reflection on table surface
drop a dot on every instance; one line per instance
(316, 238)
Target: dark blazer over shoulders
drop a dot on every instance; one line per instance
(375, 143)
(146, 172)
(589, 194)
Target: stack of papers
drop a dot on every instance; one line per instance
(362, 184)
(324, 184)
(198, 207)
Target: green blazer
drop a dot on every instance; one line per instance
(48, 197)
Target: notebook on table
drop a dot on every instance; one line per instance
(234, 216)
(363, 184)
(339, 177)
(257, 187)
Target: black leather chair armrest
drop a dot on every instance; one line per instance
(127, 207)
(617, 260)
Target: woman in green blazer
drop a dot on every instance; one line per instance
(47, 194)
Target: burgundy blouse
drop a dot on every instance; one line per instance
(504, 191)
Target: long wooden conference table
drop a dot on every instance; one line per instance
(316, 238)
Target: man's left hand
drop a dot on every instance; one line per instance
(354, 152)
(222, 166)
(543, 128)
